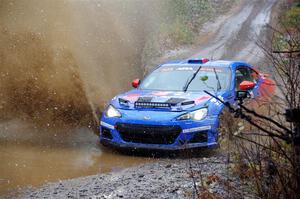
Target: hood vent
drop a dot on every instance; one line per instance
(187, 103)
(175, 101)
(123, 102)
(144, 99)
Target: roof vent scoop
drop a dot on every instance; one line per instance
(198, 60)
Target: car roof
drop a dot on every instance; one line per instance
(213, 63)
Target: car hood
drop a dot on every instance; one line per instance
(161, 100)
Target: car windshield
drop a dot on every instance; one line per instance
(175, 77)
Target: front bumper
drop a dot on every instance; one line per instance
(192, 134)
(136, 146)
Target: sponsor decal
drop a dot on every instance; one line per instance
(211, 70)
(161, 93)
(147, 117)
(184, 68)
(202, 98)
(217, 102)
(132, 96)
(168, 69)
(178, 93)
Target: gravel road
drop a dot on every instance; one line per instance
(169, 178)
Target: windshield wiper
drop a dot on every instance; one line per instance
(219, 84)
(189, 81)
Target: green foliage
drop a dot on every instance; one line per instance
(292, 17)
(190, 10)
(281, 42)
(183, 18)
(290, 21)
(178, 32)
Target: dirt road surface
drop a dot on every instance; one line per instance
(234, 37)
(35, 160)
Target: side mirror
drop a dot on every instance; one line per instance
(135, 83)
(246, 85)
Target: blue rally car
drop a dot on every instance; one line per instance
(168, 110)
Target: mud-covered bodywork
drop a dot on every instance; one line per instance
(178, 118)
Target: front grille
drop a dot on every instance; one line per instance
(148, 134)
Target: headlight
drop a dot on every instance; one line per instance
(112, 112)
(199, 114)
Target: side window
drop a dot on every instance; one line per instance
(242, 74)
(254, 75)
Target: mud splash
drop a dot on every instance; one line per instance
(60, 60)
(40, 83)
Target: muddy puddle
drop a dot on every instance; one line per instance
(60, 61)
(32, 157)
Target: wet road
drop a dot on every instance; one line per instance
(31, 156)
(58, 62)
(234, 37)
